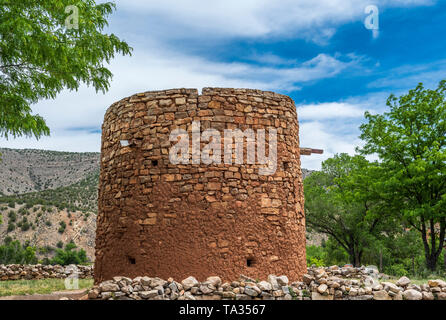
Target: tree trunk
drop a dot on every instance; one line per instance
(431, 262)
(355, 258)
(358, 259)
(380, 260)
(413, 264)
(444, 258)
(432, 253)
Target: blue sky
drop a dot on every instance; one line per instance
(317, 52)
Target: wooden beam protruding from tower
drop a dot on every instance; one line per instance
(310, 151)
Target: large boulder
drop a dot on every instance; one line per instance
(108, 286)
(403, 282)
(381, 295)
(428, 295)
(189, 283)
(307, 278)
(318, 296)
(389, 286)
(322, 288)
(265, 286)
(412, 294)
(441, 296)
(214, 280)
(282, 280)
(437, 283)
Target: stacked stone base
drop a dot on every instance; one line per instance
(40, 271)
(331, 283)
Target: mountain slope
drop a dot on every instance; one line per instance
(29, 170)
(47, 197)
(81, 195)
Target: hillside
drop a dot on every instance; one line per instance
(81, 195)
(28, 170)
(46, 226)
(48, 197)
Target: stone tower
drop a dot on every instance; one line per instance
(157, 218)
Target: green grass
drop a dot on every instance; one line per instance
(44, 286)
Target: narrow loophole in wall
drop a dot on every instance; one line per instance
(154, 163)
(131, 260)
(250, 262)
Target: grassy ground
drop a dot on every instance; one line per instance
(44, 286)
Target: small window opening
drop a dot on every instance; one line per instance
(132, 260)
(154, 163)
(250, 262)
(286, 165)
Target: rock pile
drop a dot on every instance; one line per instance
(330, 283)
(335, 283)
(39, 271)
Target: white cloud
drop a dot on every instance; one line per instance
(324, 136)
(73, 115)
(60, 140)
(329, 110)
(408, 76)
(313, 20)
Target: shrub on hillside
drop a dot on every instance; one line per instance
(63, 225)
(13, 252)
(69, 255)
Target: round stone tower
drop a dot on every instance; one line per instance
(158, 217)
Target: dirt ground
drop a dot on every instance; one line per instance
(58, 295)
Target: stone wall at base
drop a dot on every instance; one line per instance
(40, 271)
(331, 283)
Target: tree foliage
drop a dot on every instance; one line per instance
(340, 201)
(69, 255)
(12, 252)
(410, 141)
(40, 55)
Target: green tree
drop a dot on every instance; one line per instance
(69, 255)
(340, 202)
(40, 55)
(410, 141)
(12, 252)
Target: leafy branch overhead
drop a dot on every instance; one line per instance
(40, 56)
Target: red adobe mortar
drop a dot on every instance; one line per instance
(164, 220)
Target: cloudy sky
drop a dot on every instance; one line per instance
(318, 52)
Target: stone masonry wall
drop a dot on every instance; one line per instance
(330, 283)
(165, 220)
(39, 271)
